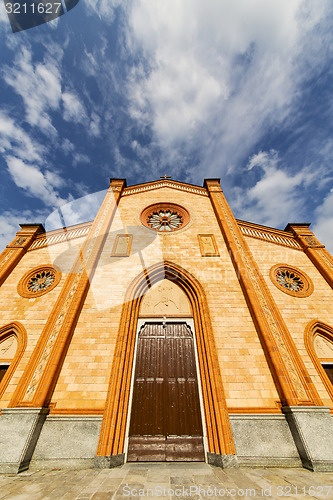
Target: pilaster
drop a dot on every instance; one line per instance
(290, 375)
(14, 252)
(40, 377)
(312, 247)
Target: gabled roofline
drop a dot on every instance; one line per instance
(150, 186)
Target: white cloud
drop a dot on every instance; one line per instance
(215, 75)
(80, 158)
(104, 9)
(15, 140)
(95, 125)
(324, 222)
(277, 197)
(10, 220)
(3, 16)
(25, 160)
(73, 108)
(81, 210)
(34, 182)
(67, 146)
(39, 85)
(178, 108)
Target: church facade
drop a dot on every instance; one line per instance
(166, 330)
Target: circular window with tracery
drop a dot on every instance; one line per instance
(38, 281)
(291, 280)
(165, 217)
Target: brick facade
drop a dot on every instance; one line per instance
(76, 342)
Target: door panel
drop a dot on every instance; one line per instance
(166, 419)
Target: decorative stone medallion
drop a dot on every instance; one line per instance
(165, 217)
(38, 281)
(291, 280)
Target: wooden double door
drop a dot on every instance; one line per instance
(166, 418)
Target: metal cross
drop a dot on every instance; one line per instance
(165, 176)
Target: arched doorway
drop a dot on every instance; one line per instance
(112, 442)
(165, 418)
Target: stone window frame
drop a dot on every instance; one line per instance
(308, 288)
(129, 238)
(202, 249)
(15, 328)
(6, 365)
(313, 329)
(156, 207)
(22, 287)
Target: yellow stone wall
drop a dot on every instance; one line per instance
(84, 379)
(297, 312)
(32, 313)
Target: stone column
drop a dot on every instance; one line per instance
(14, 252)
(41, 374)
(311, 424)
(316, 252)
(290, 375)
(312, 427)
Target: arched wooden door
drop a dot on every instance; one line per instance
(166, 418)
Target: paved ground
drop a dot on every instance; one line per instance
(182, 480)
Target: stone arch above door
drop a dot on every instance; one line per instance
(165, 298)
(13, 341)
(318, 340)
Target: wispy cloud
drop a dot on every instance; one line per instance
(36, 183)
(324, 222)
(278, 195)
(10, 220)
(95, 125)
(39, 86)
(16, 140)
(104, 9)
(214, 76)
(73, 108)
(197, 89)
(79, 158)
(81, 210)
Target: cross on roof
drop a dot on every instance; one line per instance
(165, 176)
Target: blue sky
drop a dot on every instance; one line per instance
(239, 90)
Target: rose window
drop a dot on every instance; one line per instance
(38, 281)
(291, 280)
(165, 220)
(165, 217)
(41, 280)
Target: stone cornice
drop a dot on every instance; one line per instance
(149, 186)
(61, 235)
(268, 234)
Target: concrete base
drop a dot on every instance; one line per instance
(264, 440)
(19, 432)
(312, 430)
(68, 441)
(59, 463)
(109, 462)
(223, 461)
